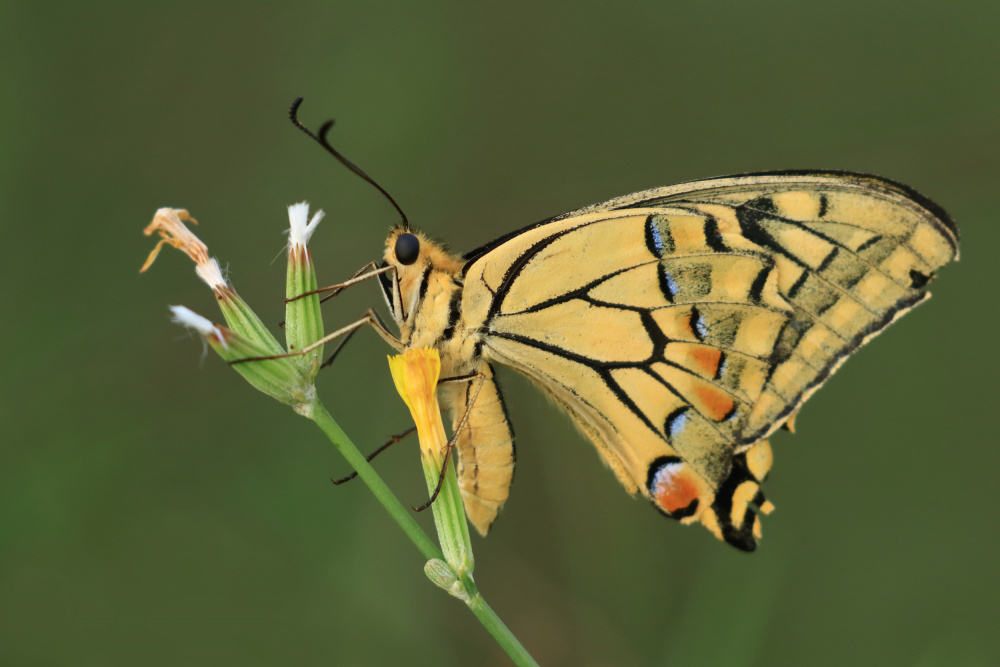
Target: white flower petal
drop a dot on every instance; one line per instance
(301, 230)
(314, 222)
(192, 320)
(211, 273)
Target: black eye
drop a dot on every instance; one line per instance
(407, 248)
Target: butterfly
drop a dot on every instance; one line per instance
(679, 327)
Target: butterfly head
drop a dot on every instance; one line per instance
(414, 258)
(412, 253)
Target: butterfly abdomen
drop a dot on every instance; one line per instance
(485, 446)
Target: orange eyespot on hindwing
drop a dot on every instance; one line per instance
(674, 488)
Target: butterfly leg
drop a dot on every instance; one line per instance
(485, 445)
(392, 441)
(369, 270)
(370, 318)
(370, 266)
(336, 351)
(339, 287)
(405, 434)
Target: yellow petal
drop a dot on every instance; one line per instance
(416, 373)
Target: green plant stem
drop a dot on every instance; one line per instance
(470, 594)
(374, 482)
(500, 632)
(453, 533)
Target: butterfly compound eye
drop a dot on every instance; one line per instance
(407, 248)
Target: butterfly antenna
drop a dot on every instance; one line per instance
(293, 113)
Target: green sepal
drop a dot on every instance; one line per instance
(243, 321)
(280, 379)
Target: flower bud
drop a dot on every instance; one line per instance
(303, 320)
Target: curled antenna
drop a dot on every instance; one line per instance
(293, 113)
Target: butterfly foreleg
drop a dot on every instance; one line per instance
(380, 328)
(369, 318)
(369, 270)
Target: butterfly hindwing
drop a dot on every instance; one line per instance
(657, 349)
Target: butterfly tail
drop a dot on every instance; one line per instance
(734, 515)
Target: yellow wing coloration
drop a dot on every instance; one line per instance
(679, 327)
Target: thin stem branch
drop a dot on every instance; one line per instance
(497, 628)
(374, 482)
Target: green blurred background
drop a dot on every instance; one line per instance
(155, 510)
